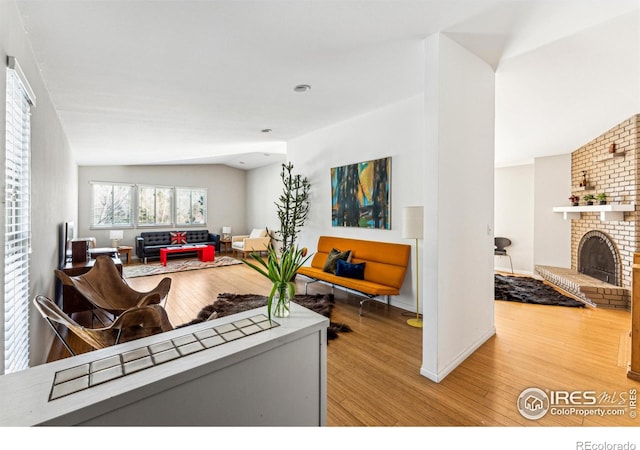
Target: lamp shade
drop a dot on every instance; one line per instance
(116, 234)
(226, 230)
(412, 222)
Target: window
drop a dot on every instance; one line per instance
(17, 230)
(154, 205)
(112, 205)
(191, 206)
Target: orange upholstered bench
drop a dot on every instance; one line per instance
(385, 266)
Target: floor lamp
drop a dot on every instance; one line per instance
(412, 225)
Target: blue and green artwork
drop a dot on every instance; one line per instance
(360, 195)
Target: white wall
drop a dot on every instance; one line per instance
(524, 198)
(226, 194)
(458, 180)
(600, 85)
(551, 233)
(439, 173)
(395, 131)
(514, 216)
(264, 187)
(53, 178)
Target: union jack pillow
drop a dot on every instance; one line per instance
(178, 237)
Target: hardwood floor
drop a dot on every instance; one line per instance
(374, 371)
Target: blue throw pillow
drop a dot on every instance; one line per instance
(350, 270)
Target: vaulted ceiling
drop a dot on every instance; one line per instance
(172, 82)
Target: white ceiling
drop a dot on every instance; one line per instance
(172, 82)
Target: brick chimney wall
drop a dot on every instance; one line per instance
(618, 177)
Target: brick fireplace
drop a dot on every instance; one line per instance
(610, 164)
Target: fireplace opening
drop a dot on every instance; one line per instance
(598, 258)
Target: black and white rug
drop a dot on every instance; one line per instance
(176, 265)
(530, 290)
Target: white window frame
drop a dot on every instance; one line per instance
(113, 224)
(205, 206)
(172, 206)
(17, 230)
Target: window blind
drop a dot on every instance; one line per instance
(17, 229)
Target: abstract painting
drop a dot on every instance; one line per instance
(360, 195)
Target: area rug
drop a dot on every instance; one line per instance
(227, 304)
(176, 265)
(530, 290)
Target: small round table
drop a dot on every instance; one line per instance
(225, 245)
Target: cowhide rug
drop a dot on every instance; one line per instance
(227, 304)
(530, 290)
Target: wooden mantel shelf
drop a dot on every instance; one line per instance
(607, 212)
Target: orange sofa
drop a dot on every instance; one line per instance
(384, 271)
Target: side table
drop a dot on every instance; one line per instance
(225, 245)
(125, 250)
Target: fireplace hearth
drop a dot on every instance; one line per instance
(604, 238)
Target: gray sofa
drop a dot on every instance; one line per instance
(149, 243)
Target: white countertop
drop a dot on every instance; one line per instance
(25, 395)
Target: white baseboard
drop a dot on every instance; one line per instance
(441, 374)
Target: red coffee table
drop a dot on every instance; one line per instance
(206, 253)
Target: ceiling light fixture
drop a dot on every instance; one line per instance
(302, 88)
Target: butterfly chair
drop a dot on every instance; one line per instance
(103, 287)
(501, 244)
(134, 323)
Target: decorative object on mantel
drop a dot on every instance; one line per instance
(606, 212)
(589, 199)
(612, 147)
(575, 200)
(281, 271)
(602, 198)
(584, 178)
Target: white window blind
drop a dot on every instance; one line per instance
(17, 230)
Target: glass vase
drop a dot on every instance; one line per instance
(281, 303)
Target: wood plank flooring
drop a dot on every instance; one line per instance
(374, 371)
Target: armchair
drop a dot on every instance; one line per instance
(103, 287)
(258, 241)
(134, 323)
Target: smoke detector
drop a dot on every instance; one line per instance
(302, 88)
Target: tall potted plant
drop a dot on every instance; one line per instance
(281, 271)
(293, 206)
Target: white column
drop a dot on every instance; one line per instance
(459, 183)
